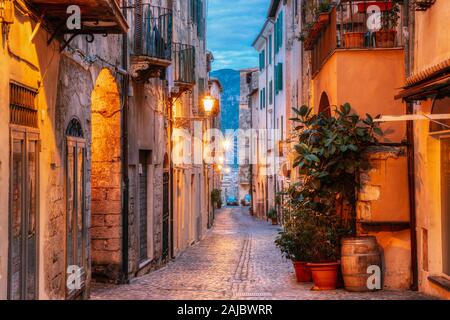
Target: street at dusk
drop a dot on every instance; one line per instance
(203, 152)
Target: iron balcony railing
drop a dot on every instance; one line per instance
(153, 32)
(184, 63)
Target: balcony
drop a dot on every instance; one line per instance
(351, 63)
(355, 25)
(152, 47)
(183, 66)
(97, 16)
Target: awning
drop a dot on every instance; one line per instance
(97, 16)
(428, 83)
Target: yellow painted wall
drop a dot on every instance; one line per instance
(428, 205)
(431, 47)
(432, 36)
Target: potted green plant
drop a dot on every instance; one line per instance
(272, 214)
(385, 37)
(216, 198)
(330, 156)
(323, 12)
(294, 241)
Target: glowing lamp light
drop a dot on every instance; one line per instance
(208, 104)
(221, 160)
(219, 167)
(227, 170)
(226, 144)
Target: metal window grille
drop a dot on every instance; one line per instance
(23, 106)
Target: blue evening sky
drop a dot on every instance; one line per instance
(232, 27)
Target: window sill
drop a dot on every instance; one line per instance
(440, 281)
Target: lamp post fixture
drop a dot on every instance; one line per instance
(208, 104)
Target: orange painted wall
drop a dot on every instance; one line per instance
(368, 80)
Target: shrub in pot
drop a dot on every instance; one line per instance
(329, 156)
(216, 198)
(273, 216)
(294, 242)
(385, 37)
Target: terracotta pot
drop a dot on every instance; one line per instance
(274, 221)
(385, 38)
(354, 40)
(302, 271)
(323, 18)
(325, 275)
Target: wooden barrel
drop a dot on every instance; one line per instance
(357, 254)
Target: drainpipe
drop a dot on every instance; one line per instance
(125, 176)
(409, 51)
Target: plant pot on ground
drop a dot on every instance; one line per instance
(273, 216)
(295, 240)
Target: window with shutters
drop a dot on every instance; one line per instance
(270, 49)
(278, 78)
(23, 194)
(76, 256)
(271, 92)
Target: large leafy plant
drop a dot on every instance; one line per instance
(329, 154)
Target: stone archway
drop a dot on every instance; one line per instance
(106, 179)
(324, 105)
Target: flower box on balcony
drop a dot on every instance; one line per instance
(423, 5)
(323, 18)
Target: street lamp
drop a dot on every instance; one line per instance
(208, 104)
(227, 170)
(226, 144)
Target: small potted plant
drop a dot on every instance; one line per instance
(273, 216)
(325, 253)
(216, 198)
(323, 12)
(294, 242)
(385, 37)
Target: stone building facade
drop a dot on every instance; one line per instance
(247, 84)
(87, 117)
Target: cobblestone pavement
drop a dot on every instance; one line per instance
(236, 260)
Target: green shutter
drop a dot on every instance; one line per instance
(270, 49)
(280, 67)
(281, 29)
(270, 92)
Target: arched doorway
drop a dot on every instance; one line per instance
(106, 178)
(324, 105)
(76, 235)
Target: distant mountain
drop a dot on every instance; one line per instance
(230, 80)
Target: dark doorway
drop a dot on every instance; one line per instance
(324, 105)
(144, 162)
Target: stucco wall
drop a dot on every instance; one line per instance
(368, 80)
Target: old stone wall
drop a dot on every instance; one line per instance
(383, 199)
(106, 225)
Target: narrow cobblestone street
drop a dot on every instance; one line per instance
(236, 260)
